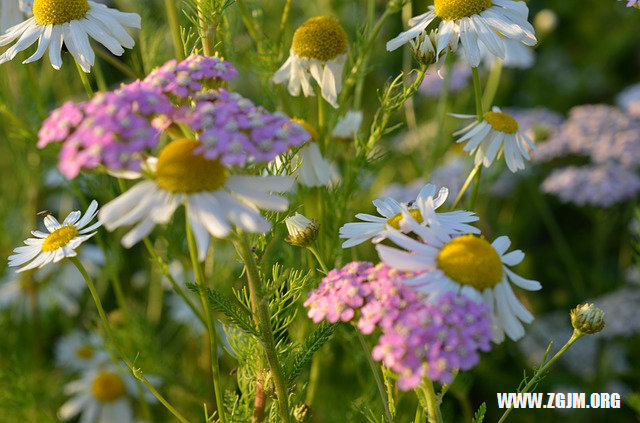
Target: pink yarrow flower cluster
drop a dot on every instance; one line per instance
(192, 75)
(111, 130)
(235, 131)
(419, 336)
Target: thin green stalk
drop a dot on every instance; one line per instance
(211, 328)
(466, 184)
(441, 114)
(321, 115)
(264, 319)
(433, 405)
(85, 81)
(284, 20)
(477, 89)
(376, 376)
(493, 83)
(540, 371)
(316, 254)
(164, 270)
(419, 414)
(208, 28)
(101, 82)
(314, 377)
(107, 328)
(248, 23)
(174, 25)
(371, 17)
(118, 64)
(476, 185)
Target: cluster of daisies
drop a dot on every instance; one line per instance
(439, 295)
(418, 337)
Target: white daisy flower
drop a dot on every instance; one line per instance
(102, 395)
(61, 241)
(498, 133)
(376, 228)
(467, 264)
(319, 51)
(490, 22)
(348, 126)
(71, 22)
(214, 198)
(80, 351)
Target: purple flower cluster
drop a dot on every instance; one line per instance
(434, 339)
(594, 185)
(419, 337)
(192, 75)
(601, 132)
(112, 129)
(629, 100)
(235, 131)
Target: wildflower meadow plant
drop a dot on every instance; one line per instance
(248, 254)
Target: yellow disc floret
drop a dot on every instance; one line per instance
(452, 10)
(321, 38)
(471, 260)
(180, 170)
(394, 222)
(59, 238)
(307, 127)
(107, 386)
(85, 352)
(501, 122)
(58, 12)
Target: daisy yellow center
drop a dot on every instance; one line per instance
(58, 12)
(470, 260)
(501, 122)
(307, 127)
(394, 222)
(107, 386)
(85, 352)
(452, 10)
(179, 170)
(59, 238)
(321, 38)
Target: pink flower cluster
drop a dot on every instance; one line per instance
(235, 131)
(117, 129)
(192, 75)
(419, 336)
(111, 130)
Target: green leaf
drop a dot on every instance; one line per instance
(479, 416)
(310, 346)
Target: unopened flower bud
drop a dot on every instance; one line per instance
(302, 231)
(587, 319)
(423, 49)
(301, 413)
(347, 127)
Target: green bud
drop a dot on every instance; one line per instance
(587, 319)
(301, 413)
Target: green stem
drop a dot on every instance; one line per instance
(376, 376)
(122, 67)
(476, 186)
(174, 25)
(433, 405)
(493, 83)
(441, 114)
(164, 270)
(371, 17)
(466, 184)
(316, 254)
(85, 81)
(321, 116)
(261, 305)
(107, 328)
(211, 328)
(540, 371)
(477, 89)
(419, 414)
(286, 12)
(248, 23)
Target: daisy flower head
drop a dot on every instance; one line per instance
(114, 130)
(302, 230)
(192, 75)
(102, 394)
(71, 22)
(61, 240)
(80, 351)
(319, 51)
(496, 134)
(467, 264)
(470, 22)
(392, 215)
(215, 197)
